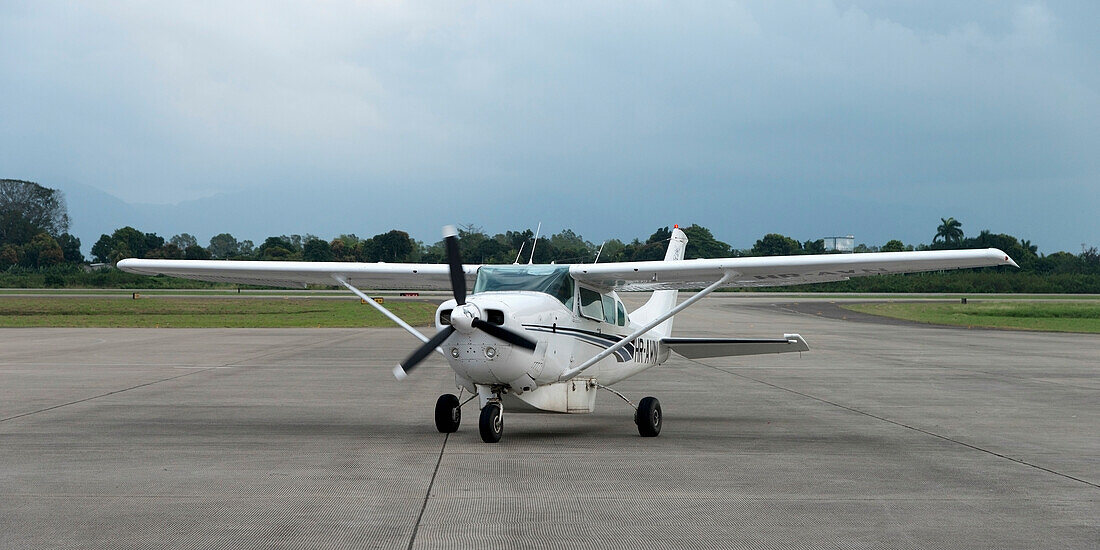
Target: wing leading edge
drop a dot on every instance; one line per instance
(377, 276)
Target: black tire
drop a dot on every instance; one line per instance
(448, 413)
(492, 423)
(648, 417)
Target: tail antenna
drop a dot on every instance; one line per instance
(531, 260)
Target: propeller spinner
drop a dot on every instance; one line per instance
(466, 317)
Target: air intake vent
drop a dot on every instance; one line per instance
(445, 317)
(495, 316)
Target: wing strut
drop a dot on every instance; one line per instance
(342, 280)
(618, 345)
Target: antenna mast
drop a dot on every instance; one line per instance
(531, 260)
(598, 252)
(521, 245)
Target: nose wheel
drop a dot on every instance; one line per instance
(491, 424)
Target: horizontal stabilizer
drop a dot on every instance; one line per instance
(701, 348)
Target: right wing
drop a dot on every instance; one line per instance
(764, 271)
(376, 276)
(701, 348)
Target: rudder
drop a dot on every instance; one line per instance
(663, 300)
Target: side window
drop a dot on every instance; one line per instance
(622, 315)
(609, 309)
(591, 305)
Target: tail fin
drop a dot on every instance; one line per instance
(663, 300)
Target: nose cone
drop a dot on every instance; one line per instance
(462, 318)
(479, 356)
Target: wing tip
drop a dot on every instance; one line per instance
(1003, 258)
(399, 373)
(128, 265)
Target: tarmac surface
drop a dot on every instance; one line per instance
(883, 435)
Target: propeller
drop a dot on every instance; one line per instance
(458, 287)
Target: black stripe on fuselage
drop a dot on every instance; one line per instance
(598, 339)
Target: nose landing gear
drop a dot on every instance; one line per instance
(491, 423)
(448, 415)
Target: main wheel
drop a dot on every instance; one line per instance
(448, 413)
(492, 423)
(648, 417)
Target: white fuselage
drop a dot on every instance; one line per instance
(565, 337)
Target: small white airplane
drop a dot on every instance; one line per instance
(545, 338)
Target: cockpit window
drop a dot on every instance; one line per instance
(621, 318)
(591, 305)
(548, 279)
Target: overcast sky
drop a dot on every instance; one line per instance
(803, 118)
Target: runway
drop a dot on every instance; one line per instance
(882, 436)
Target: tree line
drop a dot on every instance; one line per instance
(34, 236)
(476, 246)
(1057, 272)
(34, 227)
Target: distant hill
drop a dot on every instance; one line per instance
(93, 213)
(251, 215)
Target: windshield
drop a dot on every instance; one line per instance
(548, 279)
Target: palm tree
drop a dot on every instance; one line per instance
(950, 231)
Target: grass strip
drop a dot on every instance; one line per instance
(1076, 316)
(201, 312)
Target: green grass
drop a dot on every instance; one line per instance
(1077, 316)
(204, 312)
(928, 296)
(181, 292)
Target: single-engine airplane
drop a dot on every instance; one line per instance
(545, 338)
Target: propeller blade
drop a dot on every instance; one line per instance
(454, 259)
(505, 334)
(402, 370)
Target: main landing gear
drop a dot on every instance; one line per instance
(647, 413)
(648, 417)
(448, 415)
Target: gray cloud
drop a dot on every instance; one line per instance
(611, 118)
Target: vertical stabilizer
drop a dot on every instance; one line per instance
(663, 300)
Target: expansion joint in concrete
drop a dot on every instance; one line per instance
(428, 494)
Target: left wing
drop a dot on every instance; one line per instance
(376, 276)
(763, 271)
